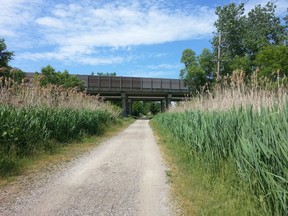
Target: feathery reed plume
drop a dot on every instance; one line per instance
(33, 95)
(232, 91)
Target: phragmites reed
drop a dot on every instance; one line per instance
(36, 119)
(233, 91)
(33, 95)
(242, 122)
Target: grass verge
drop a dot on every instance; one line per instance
(197, 190)
(61, 154)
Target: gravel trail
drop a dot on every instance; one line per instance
(123, 176)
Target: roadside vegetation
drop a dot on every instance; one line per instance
(145, 108)
(36, 119)
(40, 115)
(242, 40)
(228, 143)
(231, 145)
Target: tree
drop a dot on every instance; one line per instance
(285, 19)
(70, 81)
(231, 25)
(263, 29)
(105, 74)
(242, 37)
(5, 70)
(14, 73)
(155, 108)
(193, 75)
(272, 61)
(5, 56)
(228, 38)
(137, 108)
(49, 75)
(206, 62)
(242, 63)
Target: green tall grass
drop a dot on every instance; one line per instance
(24, 130)
(256, 142)
(35, 119)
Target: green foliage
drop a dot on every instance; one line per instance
(28, 130)
(137, 108)
(197, 69)
(5, 56)
(189, 60)
(230, 25)
(285, 19)
(241, 63)
(263, 28)
(273, 60)
(199, 189)
(155, 108)
(50, 76)
(5, 70)
(105, 74)
(244, 36)
(206, 62)
(14, 73)
(9, 165)
(144, 108)
(255, 142)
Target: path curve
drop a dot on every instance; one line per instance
(123, 176)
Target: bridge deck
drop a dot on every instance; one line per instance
(133, 84)
(128, 89)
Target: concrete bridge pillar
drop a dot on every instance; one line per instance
(124, 104)
(129, 107)
(162, 105)
(168, 101)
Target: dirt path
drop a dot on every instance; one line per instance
(124, 176)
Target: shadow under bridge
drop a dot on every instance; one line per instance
(129, 89)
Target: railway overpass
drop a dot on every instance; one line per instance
(129, 89)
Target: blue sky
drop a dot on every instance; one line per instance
(132, 38)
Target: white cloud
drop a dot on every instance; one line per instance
(100, 61)
(81, 28)
(66, 57)
(164, 66)
(150, 73)
(282, 5)
(15, 15)
(50, 22)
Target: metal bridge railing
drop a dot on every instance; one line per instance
(134, 83)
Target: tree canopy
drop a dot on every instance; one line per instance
(244, 36)
(273, 61)
(105, 74)
(5, 70)
(242, 40)
(198, 69)
(5, 55)
(50, 76)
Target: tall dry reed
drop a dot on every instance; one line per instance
(37, 119)
(50, 96)
(233, 91)
(240, 123)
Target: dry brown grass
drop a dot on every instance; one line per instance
(233, 91)
(30, 93)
